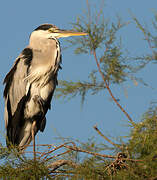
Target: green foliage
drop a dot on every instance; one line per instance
(71, 89)
(142, 143)
(141, 147)
(102, 36)
(105, 40)
(150, 38)
(116, 67)
(139, 153)
(101, 33)
(143, 137)
(16, 166)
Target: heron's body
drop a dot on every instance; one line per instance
(30, 85)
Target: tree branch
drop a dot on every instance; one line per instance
(109, 90)
(107, 139)
(100, 155)
(57, 164)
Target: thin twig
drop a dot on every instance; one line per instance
(100, 155)
(88, 152)
(145, 35)
(57, 164)
(48, 145)
(58, 155)
(89, 12)
(56, 148)
(109, 90)
(107, 139)
(32, 152)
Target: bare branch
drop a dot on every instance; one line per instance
(106, 138)
(109, 90)
(101, 155)
(89, 152)
(57, 164)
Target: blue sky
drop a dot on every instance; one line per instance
(68, 119)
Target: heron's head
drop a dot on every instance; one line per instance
(50, 31)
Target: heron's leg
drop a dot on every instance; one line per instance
(33, 137)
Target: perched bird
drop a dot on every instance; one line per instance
(30, 84)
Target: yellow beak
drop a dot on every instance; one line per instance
(66, 33)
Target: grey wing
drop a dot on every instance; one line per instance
(15, 91)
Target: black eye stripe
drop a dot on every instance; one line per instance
(45, 27)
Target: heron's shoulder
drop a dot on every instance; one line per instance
(26, 57)
(9, 77)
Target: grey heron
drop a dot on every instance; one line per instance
(30, 84)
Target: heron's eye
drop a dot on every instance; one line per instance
(53, 30)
